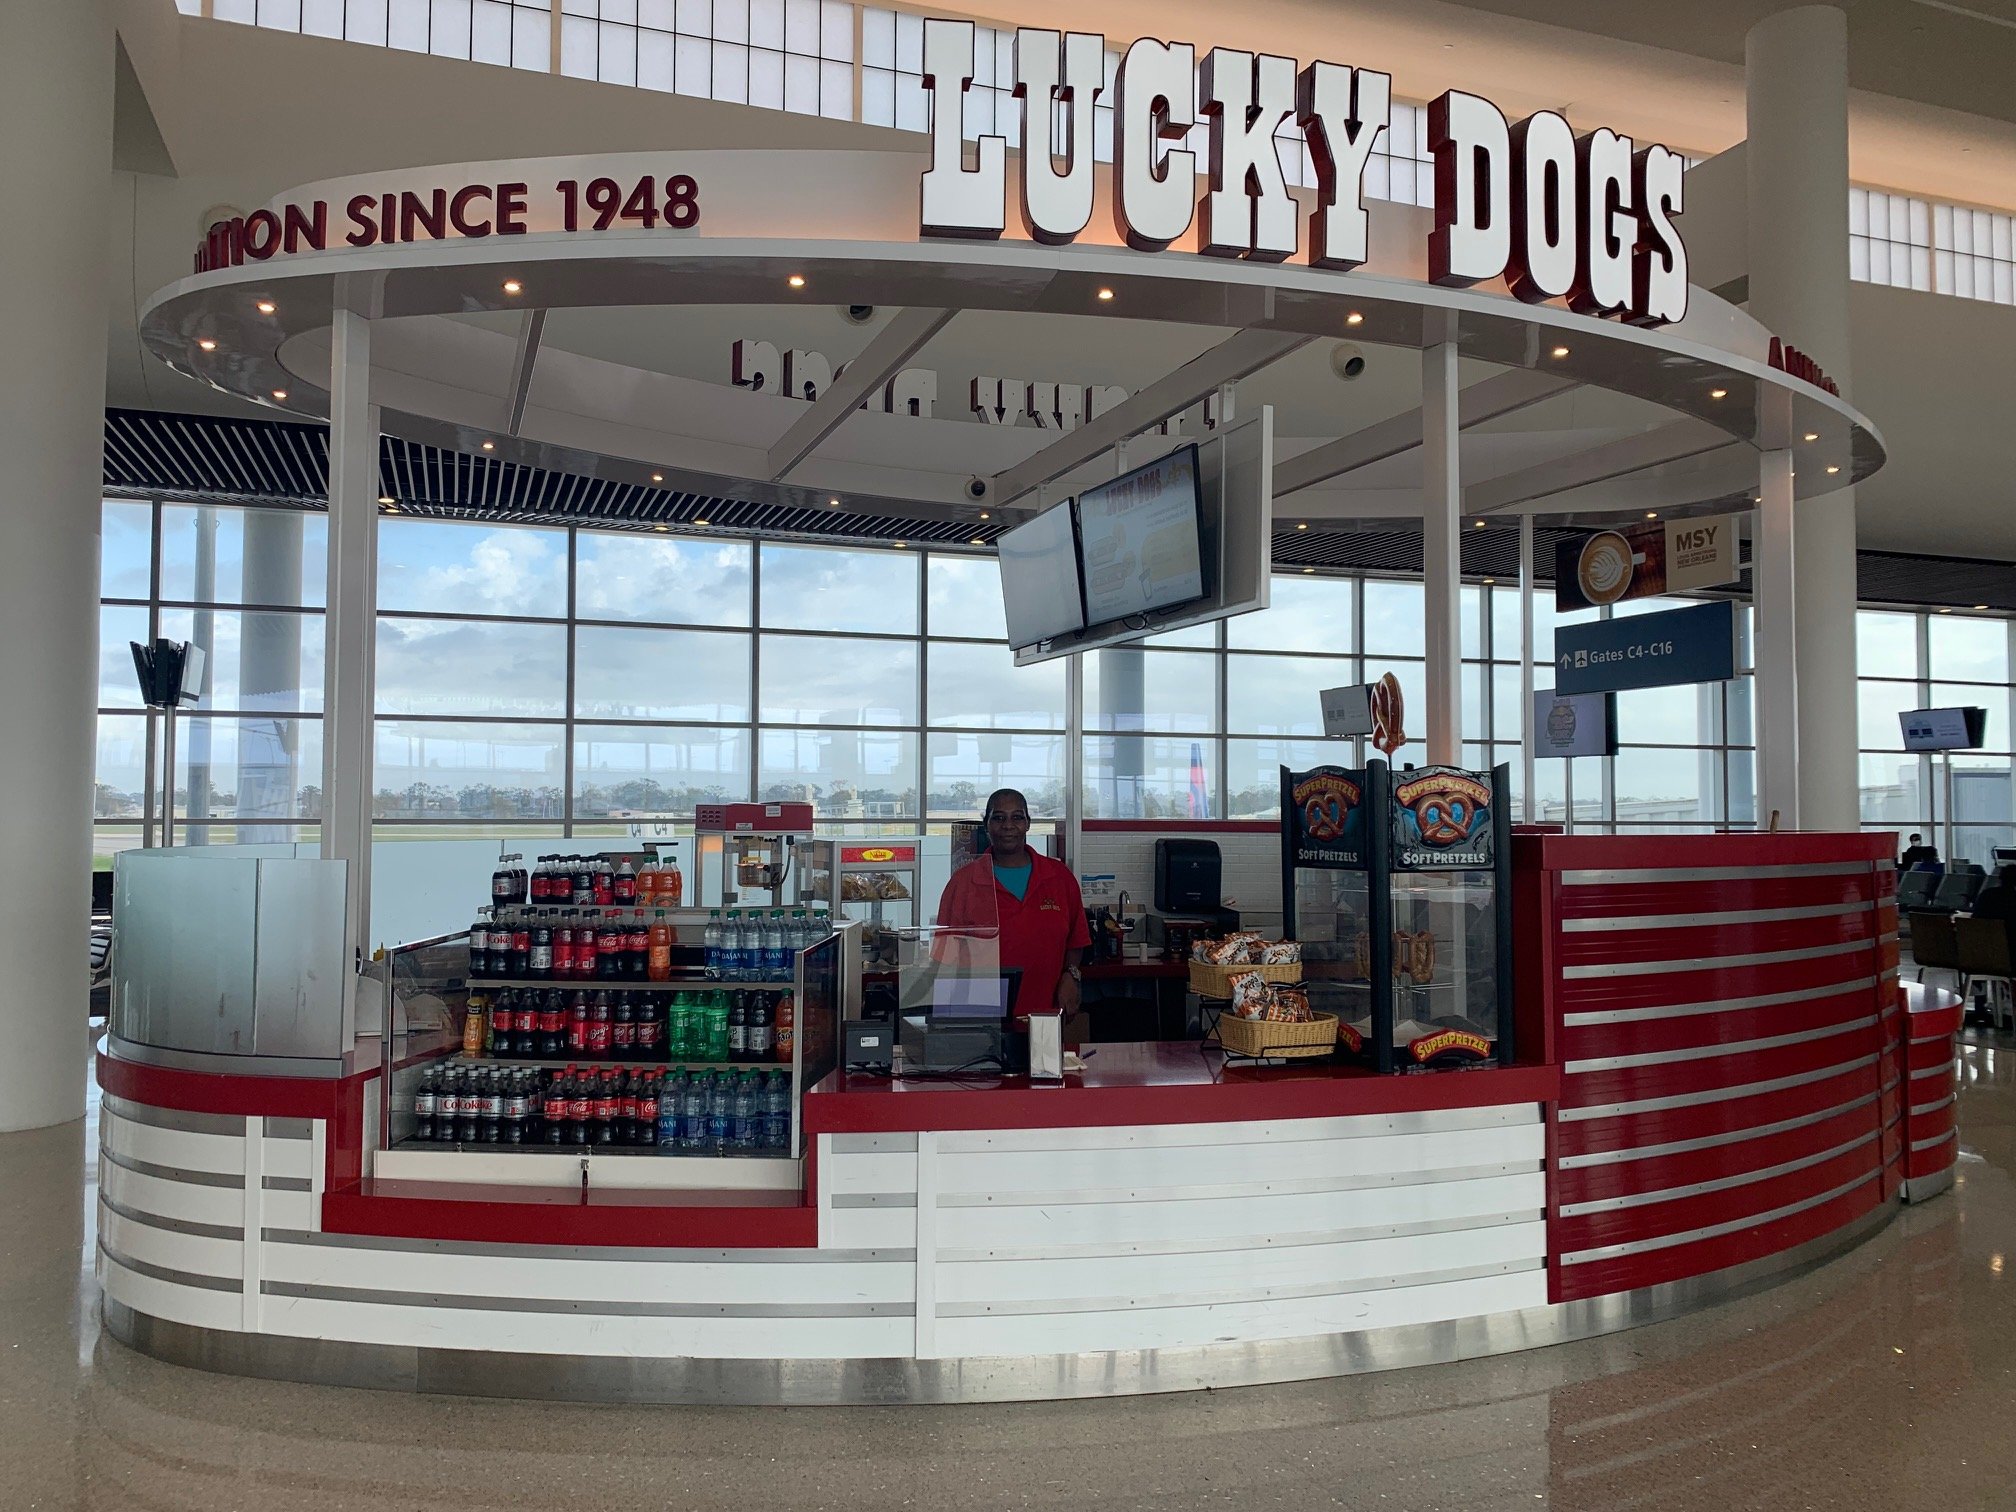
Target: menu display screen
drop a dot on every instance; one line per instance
(1039, 579)
(1140, 539)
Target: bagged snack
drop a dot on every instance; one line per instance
(1281, 953)
(1290, 1005)
(1246, 949)
(1250, 996)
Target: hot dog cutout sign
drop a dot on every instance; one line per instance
(1441, 819)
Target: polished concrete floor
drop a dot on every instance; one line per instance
(1885, 1381)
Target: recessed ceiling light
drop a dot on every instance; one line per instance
(1560, 351)
(698, 521)
(206, 344)
(796, 280)
(1105, 293)
(1478, 526)
(1718, 393)
(512, 286)
(266, 307)
(1812, 435)
(1354, 318)
(661, 529)
(1980, 606)
(835, 504)
(977, 541)
(386, 499)
(1308, 569)
(1833, 469)
(1945, 611)
(985, 516)
(1302, 525)
(1651, 514)
(1490, 580)
(657, 477)
(279, 393)
(489, 446)
(902, 545)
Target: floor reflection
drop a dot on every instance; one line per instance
(1884, 1380)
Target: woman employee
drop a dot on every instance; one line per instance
(1032, 899)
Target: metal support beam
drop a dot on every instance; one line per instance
(1774, 591)
(1441, 565)
(1234, 358)
(1614, 459)
(1500, 395)
(1529, 803)
(895, 344)
(521, 368)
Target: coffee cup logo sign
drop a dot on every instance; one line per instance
(1589, 220)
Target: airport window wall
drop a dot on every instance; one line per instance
(549, 681)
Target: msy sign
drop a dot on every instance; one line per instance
(1589, 219)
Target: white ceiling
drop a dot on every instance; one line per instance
(1933, 373)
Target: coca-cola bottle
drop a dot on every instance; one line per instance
(479, 946)
(521, 944)
(552, 1027)
(426, 1101)
(503, 1019)
(626, 1107)
(603, 1110)
(539, 966)
(647, 1109)
(623, 1030)
(580, 1098)
(503, 884)
(584, 882)
(553, 1112)
(636, 947)
(623, 886)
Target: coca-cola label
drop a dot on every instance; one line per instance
(425, 1103)
(542, 959)
(493, 1104)
(500, 884)
(577, 1107)
(479, 940)
(577, 1036)
(514, 1105)
(551, 1021)
(605, 1107)
(610, 942)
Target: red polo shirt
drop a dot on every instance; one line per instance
(1036, 929)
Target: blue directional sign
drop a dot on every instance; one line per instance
(1692, 645)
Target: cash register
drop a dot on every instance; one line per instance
(965, 1026)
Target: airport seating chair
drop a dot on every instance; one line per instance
(1935, 944)
(1986, 956)
(1914, 889)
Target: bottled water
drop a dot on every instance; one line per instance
(720, 1113)
(748, 945)
(669, 1094)
(776, 949)
(693, 1114)
(777, 1110)
(714, 945)
(744, 1113)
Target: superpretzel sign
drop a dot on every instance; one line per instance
(1587, 219)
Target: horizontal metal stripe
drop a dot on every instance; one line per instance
(1713, 963)
(874, 1144)
(173, 1118)
(1309, 1186)
(172, 1225)
(171, 1276)
(1308, 1290)
(171, 1173)
(628, 1254)
(1944, 1068)
(1716, 1052)
(875, 1200)
(287, 1184)
(1719, 1005)
(1703, 920)
(1934, 1142)
(1919, 1110)
(1714, 1094)
(1240, 1243)
(599, 1309)
(1718, 1184)
(289, 1128)
(1717, 1230)
(1710, 873)
(1712, 1141)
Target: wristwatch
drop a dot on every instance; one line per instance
(1073, 973)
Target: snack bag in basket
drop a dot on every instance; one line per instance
(1281, 953)
(1251, 996)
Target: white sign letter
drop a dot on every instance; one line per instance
(1609, 227)
(1154, 103)
(958, 202)
(1659, 272)
(756, 365)
(1247, 209)
(1546, 228)
(1057, 206)
(1341, 111)
(1472, 239)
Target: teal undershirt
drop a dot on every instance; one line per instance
(1015, 878)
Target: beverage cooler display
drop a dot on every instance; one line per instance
(1398, 885)
(590, 1009)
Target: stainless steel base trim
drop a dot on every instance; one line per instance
(598, 1308)
(871, 1382)
(1918, 1188)
(173, 1118)
(1712, 1141)
(1719, 1005)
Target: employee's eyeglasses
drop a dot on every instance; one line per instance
(1018, 817)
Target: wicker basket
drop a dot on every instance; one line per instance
(1259, 1037)
(1207, 980)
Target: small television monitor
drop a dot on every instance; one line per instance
(1039, 579)
(1962, 729)
(1141, 539)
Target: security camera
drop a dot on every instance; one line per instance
(1347, 360)
(979, 489)
(857, 314)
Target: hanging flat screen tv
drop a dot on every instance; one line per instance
(1141, 540)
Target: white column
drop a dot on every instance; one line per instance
(1774, 574)
(1529, 803)
(1441, 522)
(350, 634)
(56, 72)
(1796, 73)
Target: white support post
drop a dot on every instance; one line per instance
(1777, 681)
(1441, 523)
(349, 676)
(1529, 806)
